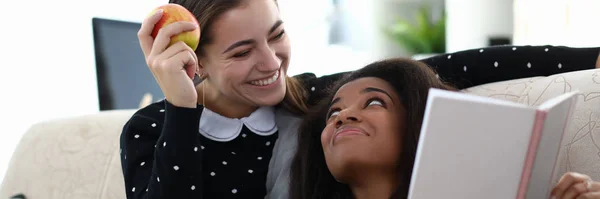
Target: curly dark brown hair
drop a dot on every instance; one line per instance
(310, 177)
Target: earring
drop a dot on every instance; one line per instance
(197, 79)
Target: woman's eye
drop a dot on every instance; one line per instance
(333, 113)
(279, 35)
(375, 102)
(241, 54)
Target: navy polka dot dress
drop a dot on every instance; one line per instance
(174, 152)
(245, 159)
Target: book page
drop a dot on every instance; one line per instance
(559, 111)
(471, 147)
(557, 101)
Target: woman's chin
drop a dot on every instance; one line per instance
(344, 172)
(269, 100)
(266, 97)
(347, 162)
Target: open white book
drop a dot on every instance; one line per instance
(474, 147)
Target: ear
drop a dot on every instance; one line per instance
(200, 74)
(201, 70)
(198, 68)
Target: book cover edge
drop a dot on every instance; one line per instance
(534, 140)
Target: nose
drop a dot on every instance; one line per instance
(269, 61)
(347, 116)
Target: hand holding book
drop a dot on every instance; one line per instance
(475, 139)
(576, 186)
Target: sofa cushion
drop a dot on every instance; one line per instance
(69, 158)
(580, 150)
(511, 90)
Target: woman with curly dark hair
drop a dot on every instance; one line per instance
(362, 139)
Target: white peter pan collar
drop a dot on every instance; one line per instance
(219, 128)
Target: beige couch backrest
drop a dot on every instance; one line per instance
(581, 146)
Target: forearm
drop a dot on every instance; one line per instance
(479, 66)
(178, 168)
(162, 160)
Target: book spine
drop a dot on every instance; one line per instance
(534, 140)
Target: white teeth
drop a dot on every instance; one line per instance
(264, 82)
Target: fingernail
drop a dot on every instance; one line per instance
(158, 12)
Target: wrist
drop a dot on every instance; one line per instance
(183, 104)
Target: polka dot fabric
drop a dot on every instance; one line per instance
(233, 169)
(237, 159)
(498, 63)
(157, 153)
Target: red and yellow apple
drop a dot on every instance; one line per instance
(174, 13)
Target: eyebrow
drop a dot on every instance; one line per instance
(366, 90)
(275, 26)
(238, 44)
(336, 100)
(371, 89)
(251, 41)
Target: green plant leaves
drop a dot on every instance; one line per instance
(423, 37)
(438, 35)
(408, 36)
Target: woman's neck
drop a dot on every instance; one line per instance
(374, 185)
(212, 99)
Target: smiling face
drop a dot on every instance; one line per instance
(365, 124)
(247, 58)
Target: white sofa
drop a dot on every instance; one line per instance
(78, 158)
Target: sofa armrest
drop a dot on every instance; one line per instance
(69, 158)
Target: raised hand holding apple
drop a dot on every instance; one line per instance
(172, 13)
(168, 38)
